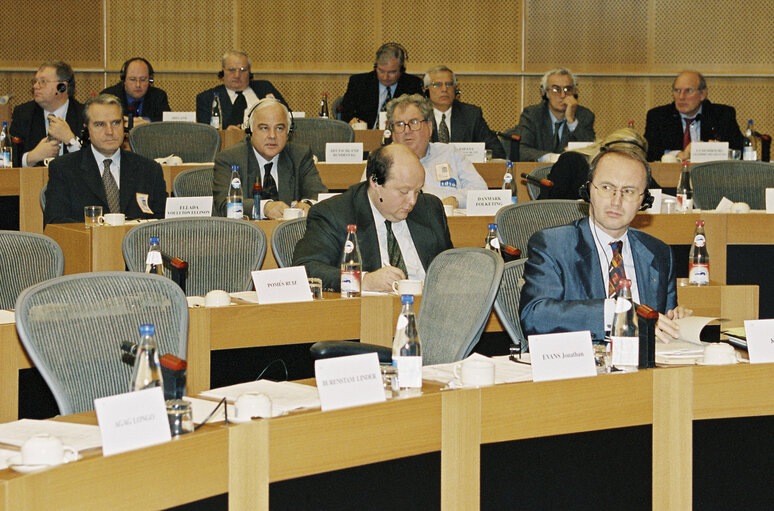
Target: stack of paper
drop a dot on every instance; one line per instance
(506, 371)
(285, 396)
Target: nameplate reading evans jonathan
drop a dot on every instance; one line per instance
(561, 356)
(132, 421)
(282, 285)
(349, 381)
(344, 152)
(760, 340)
(188, 206)
(487, 202)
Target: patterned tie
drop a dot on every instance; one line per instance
(238, 110)
(443, 130)
(393, 250)
(616, 270)
(269, 185)
(383, 108)
(687, 133)
(557, 139)
(111, 190)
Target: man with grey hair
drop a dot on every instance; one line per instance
(547, 128)
(453, 120)
(368, 93)
(238, 92)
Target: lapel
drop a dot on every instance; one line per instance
(252, 169)
(706, 122)
(366, 234)
(37, 127)
(586, 256)
(647, 273)
(434, 137)
(458, 126)
(128, 178)
(373, 92)
(225, 103)
(286, 174)
(91, 175)
(547, 128)
(674, 129)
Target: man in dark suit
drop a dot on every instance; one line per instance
(571, 271)
(136, 90)
(51, 124)
(463, 122)
(368, 93)
(690, 117)
(391, 198)
(101, 174)
(238, 93)
(285, 170)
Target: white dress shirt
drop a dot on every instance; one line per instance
(403, 236)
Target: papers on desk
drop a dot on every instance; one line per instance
(506, 371)
(4, 455)
(77, 436)
(285, 396)
(688, 349)
(7, 316)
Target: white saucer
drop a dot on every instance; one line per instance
(701, 362)
(15, 463)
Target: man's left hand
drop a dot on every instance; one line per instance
(303, 206)
(572, 106)
(274, 210)
(666, 328)
(59, 129)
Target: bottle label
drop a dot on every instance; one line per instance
(215, 122)
(507, 178)
(699, 240)
(698, 273)
(401, 323)
(409, 371)
(349, 246)
(236, 183)
(350, 282)
(153, 257)
(5, 159)
(494, 243)
(622, 305)
(234, 210)
(626, 351)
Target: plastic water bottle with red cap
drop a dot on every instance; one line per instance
(351, 265)
(698, 258)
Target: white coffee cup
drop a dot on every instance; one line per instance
(475, 373)
(111, 219)
(250, 405)
(740, 207)
(408, 287)
(292, 213)
(217, 298)
(45, 449)
(448, 209)
(719, 353)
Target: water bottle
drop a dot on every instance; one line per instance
(215, 111)
(351, 264)
(153, 261)
(234, 205)
(749, 151)
(492, 241)
(147, 370)
(324, 106)
(257, 196)
(625, 334)
(698, 258)
(6, 148)
(407, 350)
(684, 190)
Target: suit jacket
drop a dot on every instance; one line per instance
(468, 125)
(564, 290)
(298, 177)
(262, 88)
(361, 99)
(664, 128)
(322, 246)
(537, 130)
(28, 125)
(74, 182)
(154, 104)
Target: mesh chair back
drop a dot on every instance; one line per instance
(740, 181)
(191, 141)
(507, 302)
(72, 326)
(284, 239)
(221, 252)
(516, 223)
(460, 287)
(195, 182)
(539, 172)
(315, 133)
(26, 259)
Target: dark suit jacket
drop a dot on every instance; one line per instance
(322, 246)
(537, 131)
(204, 100)
(468, 125)
(154, 104)
(664, 128)
(74, 182)
(361, 99)
(27, 124)
(298, 177)
(564, 290)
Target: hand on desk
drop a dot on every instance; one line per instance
(382, 279)
(274, 210)
(666, 329)
(354, 120)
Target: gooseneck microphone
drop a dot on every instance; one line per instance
(547, 183)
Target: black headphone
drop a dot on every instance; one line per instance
(61, 87)
(122, 73)
(395, 49)
(248, 129)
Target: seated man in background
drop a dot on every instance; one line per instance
(285, 170)
(137, 93)
(690, 117)
(448, 173)
(453, 120)
(567, 278)
(389, 209)
(102, 174)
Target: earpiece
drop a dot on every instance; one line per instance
(61, 87)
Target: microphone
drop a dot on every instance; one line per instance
(130, 110)
(513, 136)
(547, 183)
(4, 99)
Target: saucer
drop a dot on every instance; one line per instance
(15, 463)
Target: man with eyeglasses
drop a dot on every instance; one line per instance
(670, 129)
(453, 120)
(49, 125)
(571, 272)
(137, 92)
(547, 128)
(238, 92)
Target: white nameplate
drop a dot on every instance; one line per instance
(323, 196)
(282, 285)
(179, 116)
(344, 152)
(133, 420)
(473, 151)
(349, 381)
(708, 151)
(487, 202)
(298, 115)
(188, 206)
(769, 200)
(760, 340)
(571, 146)
(382, 120)
(561, 356)
(656, 194)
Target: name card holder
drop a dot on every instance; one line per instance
(561, 356)
(349, 381)
(132, 421)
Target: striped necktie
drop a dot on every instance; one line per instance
(393, 250)
(111, 189)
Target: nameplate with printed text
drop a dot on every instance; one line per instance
(487, 202)
(179, 116)
(349, 381)
(561, 356)
(473, 151)
(177, 207)
(708, 151)
(760, 340)
(132, 421)
(282, 285)
(344, 152)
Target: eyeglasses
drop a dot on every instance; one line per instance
(688, 92)
(43, 82)
(141, 80)
(235, 70)
(438, 85)
(556, 89)
(413, 125)
(628, 193)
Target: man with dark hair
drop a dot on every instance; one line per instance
(388, 208)
(137, 92)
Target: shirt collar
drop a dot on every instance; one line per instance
(99, 157)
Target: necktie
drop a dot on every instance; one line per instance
(443, 130)
(393, 250)
(269, 185)
(687, 133)
(616, 270)
(386, 100)
(111, 189)
(238, 110)
(557, 139)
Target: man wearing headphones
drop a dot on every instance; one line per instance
(368, 93)
(238, 93)
(50, 124)
(137, 93)
(567, 284)
(547, 127)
